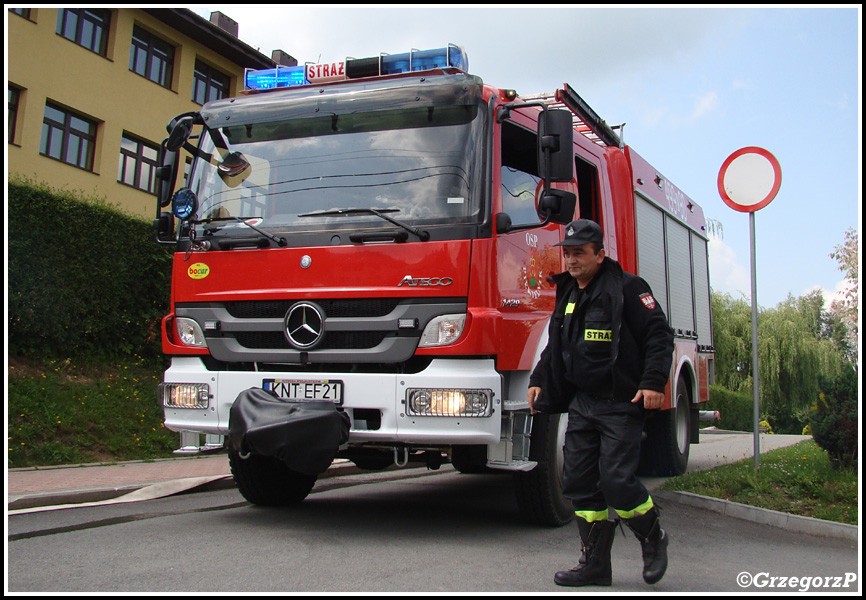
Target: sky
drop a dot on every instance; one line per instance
(693, 85)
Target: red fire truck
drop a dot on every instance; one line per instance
(362, 271)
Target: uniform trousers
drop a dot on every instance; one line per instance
(601, 455)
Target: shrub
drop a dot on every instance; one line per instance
(84, 278)
(834, 420)
(735, 409)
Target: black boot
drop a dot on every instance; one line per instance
(653, 542)
(597, 540)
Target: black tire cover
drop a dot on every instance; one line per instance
(304, 435)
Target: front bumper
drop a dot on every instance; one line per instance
(364, 394)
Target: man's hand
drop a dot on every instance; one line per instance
(651, 399)
(532, 396)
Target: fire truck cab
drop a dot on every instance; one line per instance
(374, 239)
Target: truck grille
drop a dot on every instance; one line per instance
(338, 340)
(362, 308)
(363, 330)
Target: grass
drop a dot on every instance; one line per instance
(60, 412)
(797, 480)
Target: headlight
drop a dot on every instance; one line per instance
(189, 332)
(442, 331)
(183, 395)
(429, 402)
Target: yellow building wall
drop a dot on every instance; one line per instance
(47, 66)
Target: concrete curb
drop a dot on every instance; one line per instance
(765, 516)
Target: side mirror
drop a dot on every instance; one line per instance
(555, 145)
(165, 175)
(503, 223)
(179, 130)
(555, 206)
(558, 206)
(233, 164)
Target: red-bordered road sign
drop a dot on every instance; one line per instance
(749, 179)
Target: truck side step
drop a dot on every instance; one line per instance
(514, 465)
(190, 444)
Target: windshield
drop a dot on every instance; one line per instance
(421, 165)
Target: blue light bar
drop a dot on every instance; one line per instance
(266, 79)
(422, 60)
(452, 56)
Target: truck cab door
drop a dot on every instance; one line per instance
(526, 257)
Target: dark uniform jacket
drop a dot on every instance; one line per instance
(609, 340)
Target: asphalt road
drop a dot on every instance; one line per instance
(433, 531)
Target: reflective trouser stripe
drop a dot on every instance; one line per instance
(591, 516)
(637, 511)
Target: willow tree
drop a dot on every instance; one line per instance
(732, 339)
(794, 354)
(794, 351)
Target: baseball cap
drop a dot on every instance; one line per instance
(582, 231)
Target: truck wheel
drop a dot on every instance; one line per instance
(266, 481)
(539, 491)
(665, 451)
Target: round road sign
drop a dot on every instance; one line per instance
(749, 179)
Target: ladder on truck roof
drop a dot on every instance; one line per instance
(586, 121)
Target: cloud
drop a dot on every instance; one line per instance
(840, 104)
(727, 275)
(704, 105)
(653, 115)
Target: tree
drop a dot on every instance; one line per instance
(732, 339)
(794, 349)
(847, 308)
(794, 354)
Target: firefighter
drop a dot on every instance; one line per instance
(607, 361)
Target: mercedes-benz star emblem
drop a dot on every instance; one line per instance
(305, 325)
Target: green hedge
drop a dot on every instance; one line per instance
(736, 409)
(85, 280)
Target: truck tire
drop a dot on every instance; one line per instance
(266, 481)
(470, 460)
(665, 450)
(539, 491)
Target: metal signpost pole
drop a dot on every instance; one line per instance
(755, 383)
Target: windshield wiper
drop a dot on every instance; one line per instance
(280, 241)
(379, 212)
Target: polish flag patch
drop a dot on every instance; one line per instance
(648, 301)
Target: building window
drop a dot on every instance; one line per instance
(137, 164)
(22, 12)
(68, 137)
(86, 27)
(208, 84)
(151, 57)
(12, 106)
